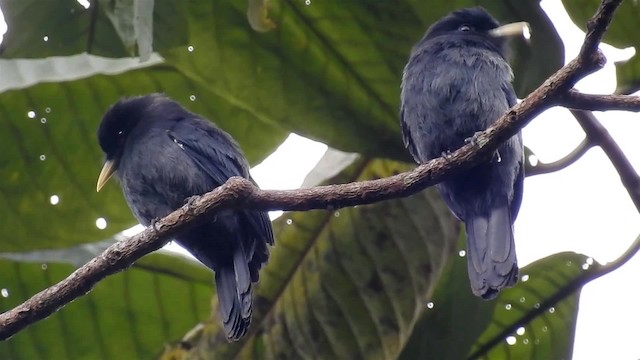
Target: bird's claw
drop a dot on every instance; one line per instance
(155, 222)
(446, 155)
(191, 200)
(496, 157)
(473, 139)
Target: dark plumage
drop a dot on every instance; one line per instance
(456, 83)
(162, 155)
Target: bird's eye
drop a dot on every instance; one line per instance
(464, 28)
(120, 137)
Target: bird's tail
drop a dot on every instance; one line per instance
(233, 282)
(491, 253)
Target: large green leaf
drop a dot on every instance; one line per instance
(128, 316)
(628, 75)
(49, 147)
(460, 325)
(326, 71)
(522, 327)
(345, 284)
(329, 70)
(621, 33)
(64, 27)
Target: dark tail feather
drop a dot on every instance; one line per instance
(491, 253)
(233, 282)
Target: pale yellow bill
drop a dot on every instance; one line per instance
(107, 170)
(514, 29)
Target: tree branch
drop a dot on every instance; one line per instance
(239, 193)
(578, 101)
(599, 135)
(545, 168)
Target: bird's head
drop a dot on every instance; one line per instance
(116, 126)
(476, 25)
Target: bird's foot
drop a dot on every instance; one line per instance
(473, 139)
(446, 155)
(496, 157)
(155, 222)
(191, 200)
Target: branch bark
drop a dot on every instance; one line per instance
(578, 101)
(239, 193)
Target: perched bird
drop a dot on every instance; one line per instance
(456, 83)
(163, 155)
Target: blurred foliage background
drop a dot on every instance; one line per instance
(384, 281)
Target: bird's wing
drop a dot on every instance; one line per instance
(214, 152)
(512, 100)
(510, 94)
(217, 155)
(406, 135)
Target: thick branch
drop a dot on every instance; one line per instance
(239, 193)
(576, 100)
(573, 156)
(601, 137)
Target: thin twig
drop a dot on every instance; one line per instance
(546, 168)
(601, 137)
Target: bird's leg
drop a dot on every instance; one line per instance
(496, 157)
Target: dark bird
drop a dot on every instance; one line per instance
(163, 155)
(457, 82)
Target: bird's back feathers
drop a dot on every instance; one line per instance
(456, 83)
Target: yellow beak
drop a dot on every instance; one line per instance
(107, 170)
(514, 29)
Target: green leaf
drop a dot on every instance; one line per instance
(329, 70)
(130, 315)
(628, 75)
(618, 32)
(133, 21)
(621, 33)
(49, 147)
(536, 334)
(348, 283)
(66, 28)
(461, 325)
